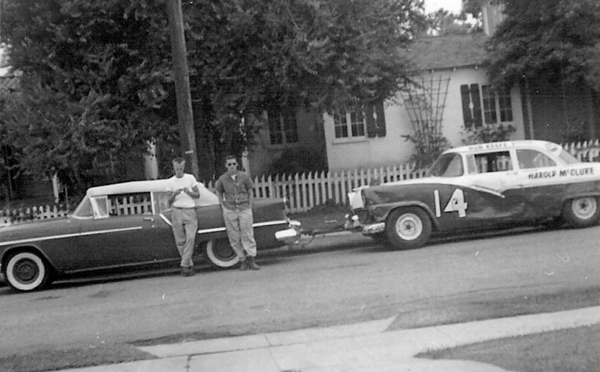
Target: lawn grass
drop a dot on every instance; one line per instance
(55, 360)
(572, 350)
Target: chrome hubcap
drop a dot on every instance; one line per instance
(409, 226)
(584, 208)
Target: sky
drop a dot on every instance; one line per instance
(453, 6)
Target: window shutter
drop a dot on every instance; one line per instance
(476, 98)
(371, 125)
(381, 132)
(466, 106)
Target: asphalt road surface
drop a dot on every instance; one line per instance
(299, 290)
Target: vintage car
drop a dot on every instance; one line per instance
(481, 187)
(126, 225)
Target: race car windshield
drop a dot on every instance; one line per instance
(448, 165)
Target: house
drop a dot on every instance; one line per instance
(452, 93)
(289, 137)
(451, 74)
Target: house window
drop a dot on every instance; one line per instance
(349, 124)
(483, 104)
(283, 127)
(367, 121)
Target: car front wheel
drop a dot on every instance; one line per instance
(408, 228)
(581, 212)
(220, 254)
(27, 271)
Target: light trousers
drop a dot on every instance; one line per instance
(240, 231)
(185, 228)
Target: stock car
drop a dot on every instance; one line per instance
(127, 225)
(481, 187)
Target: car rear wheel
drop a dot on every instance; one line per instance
(582, 212)
(220, 254)
(27, 271)
(408, 228)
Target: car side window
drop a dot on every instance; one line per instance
(130, 204)
(529, 159)
(161, 202)
(99, 206)
(492, 162)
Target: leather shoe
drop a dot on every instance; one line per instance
(252, 265)
(244, 265)
(187, 271)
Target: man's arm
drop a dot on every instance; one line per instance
(194, 192)
(219, 192)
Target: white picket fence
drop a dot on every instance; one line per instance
(129, 205)
(308, 190)
(302, 191)
(587, 151)
(8, 216)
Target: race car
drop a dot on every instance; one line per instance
(481, 187)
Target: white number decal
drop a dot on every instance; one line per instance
(455, 204)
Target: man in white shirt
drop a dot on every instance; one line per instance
(183, 189)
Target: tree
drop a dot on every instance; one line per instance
(443, 22)
(93, 86)
(252, 55)
(550, 39)
(111, 61)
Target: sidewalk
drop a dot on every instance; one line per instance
(351, 348)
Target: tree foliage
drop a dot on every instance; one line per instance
(551, 39)
(100, 71)
(93, 84)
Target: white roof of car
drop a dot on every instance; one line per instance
(530, 144)
(129, 187)
(207, 197)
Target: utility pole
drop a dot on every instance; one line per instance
(185, 115)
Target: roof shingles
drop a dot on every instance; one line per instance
(446, 52)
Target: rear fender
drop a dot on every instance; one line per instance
(26, 248)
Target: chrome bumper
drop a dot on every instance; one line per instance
(291, 235)
(374, 228)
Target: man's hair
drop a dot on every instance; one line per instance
(178, 160)
(230, 157)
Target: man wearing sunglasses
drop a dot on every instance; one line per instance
(234, 189)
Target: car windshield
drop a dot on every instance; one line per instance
(447, 165)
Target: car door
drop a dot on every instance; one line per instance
(493, 190)
(540, 179)
(124, 232)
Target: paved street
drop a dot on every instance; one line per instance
(357, 281)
